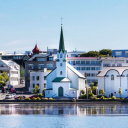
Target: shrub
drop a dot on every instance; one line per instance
(27, 98)
(99, 96)
(40, 95)
(34, 98)
(43, 92)
(102, 97)
(38, 98)
(101, 91)
(85, 96)
(51, 98)
(92, 97)
(44, 98)
(113, 97)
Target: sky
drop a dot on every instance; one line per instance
(87, 24)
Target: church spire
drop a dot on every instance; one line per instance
(61, 44)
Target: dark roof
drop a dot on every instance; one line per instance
(61, 79)
(36, 50)
(61, 44)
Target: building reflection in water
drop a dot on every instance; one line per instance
(63, 109)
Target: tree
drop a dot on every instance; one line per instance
(36, 89)
(101, 92)
(105, 52)
(90, 54)
(120, 92)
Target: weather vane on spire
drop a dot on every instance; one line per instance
(61, 19)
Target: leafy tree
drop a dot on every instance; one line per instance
(101, 91)
(90, 54)
(36, 89)
(120, 92)
(105, 52)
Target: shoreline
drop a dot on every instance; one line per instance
(65, 102)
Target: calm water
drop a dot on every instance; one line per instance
(63, 116)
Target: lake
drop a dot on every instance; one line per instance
(63, 116)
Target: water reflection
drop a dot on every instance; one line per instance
(63, 109)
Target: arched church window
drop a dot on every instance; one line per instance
(60, 55)
(112, 77)
(60, 64)
(61, 72)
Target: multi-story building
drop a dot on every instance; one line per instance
(13, 70)
(120, 53)
(74, 53)
(37, 63)
(88, 66)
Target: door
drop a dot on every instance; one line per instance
(60, 91)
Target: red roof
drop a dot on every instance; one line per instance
(82, 58)
(36, 49)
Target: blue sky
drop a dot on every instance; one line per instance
(87, 24)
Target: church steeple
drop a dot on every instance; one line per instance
(61, 44)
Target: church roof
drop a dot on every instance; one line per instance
(36, 49)
(61, 44)
(75, 71)
(61, 79)
(120, 70)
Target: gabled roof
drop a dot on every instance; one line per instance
(120, 70)
(38, 55)
(61, 79)
(75, 71)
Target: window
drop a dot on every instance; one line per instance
(97, 68)
(61, 72)
(92, 62)
(69, 62)
(49, 65)
(33, 85)
(82, 68)
(126, 61)
(106, 65)
(92, 68)
(85, 74)
(77, 68)
(37, 78)
(97, 62)
(40, 66)
(41, 59)
(33, 77)
(88, 74)
(61, 64)
(31, 66)
(113, 65)
(119, 65)
(72, 62)
(44, 85)
(82, 62)
(87, 62)
(50, 59)
(126, 53)
(77, 62)
(119, 53)
(112, 77)
(93, 74)
(88, 81)
(87, 68)
(60, 55)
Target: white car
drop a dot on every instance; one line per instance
(13, 95)
(8, 96)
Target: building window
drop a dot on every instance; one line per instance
(61, 72)
(97, 68)
(77, 68)
(44, 85)
(33, 77)
(60, 64)
(119, 53)
(33, 85)
(41, 59)
(87, 68)
(106, 65)
(126, 53)
(50, 59)
(37, 78)
(87, 62)
(82, 68)
(112, 77)
(60, 55)
(49, 65)
(85, 74)
(88, 81)
(88, 74)
(41, 66)
(119, 65)
(92, 62)
(77, 62)
(93, 74)
(126, 61)
(92, 68)
(38, 85)
(69, 62)
(82, 62)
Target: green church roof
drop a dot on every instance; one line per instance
(61, 79)
(61, 44)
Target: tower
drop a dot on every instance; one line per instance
(61, 57)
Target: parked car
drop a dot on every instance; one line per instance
(34, 96)
(14, 95)
(8, 96)
(13, 90)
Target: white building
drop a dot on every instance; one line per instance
(38, 78)
(111, 79)
(13, 70)
(75, 53)
(64, 80)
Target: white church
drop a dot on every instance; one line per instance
(64, 80)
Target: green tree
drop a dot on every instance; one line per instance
(90, 54)
(101, 92)
(105, 52)
(36, 89)
(120, 92)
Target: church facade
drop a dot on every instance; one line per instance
(64, 80)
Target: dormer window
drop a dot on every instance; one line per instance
(112, 77)
(60, 55)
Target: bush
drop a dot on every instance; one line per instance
(85, 96)
(40, 95)
(113, 97)
(44, 98)
(99, 96)
(43, 92)
(51, 98)
(102, 97)
(27, 98)
(93, 98)
(34, 98)
(38, 98)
